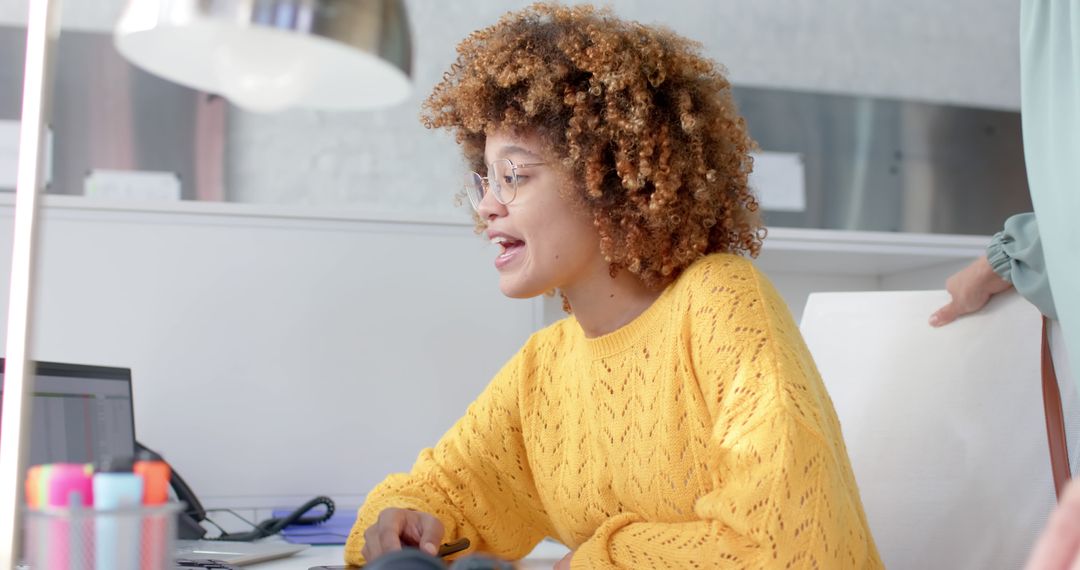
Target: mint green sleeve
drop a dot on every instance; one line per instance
(1016, 255)
(1050, 108)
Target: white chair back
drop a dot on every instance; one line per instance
(945, 427)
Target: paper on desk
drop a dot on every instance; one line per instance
(945, 427)
(334, 531)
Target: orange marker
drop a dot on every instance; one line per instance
(33, 486)
(155, 474)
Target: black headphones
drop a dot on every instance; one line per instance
(273, 526)
(414, 559)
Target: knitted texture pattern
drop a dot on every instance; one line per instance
(699, 435)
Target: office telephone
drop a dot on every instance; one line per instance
(189, 520)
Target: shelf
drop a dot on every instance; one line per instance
(842, 252)
(787, 250)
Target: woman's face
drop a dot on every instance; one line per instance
(546, 241)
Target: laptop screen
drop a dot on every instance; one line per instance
(81, 414)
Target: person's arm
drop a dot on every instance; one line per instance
(1016, 255)
(772, 505)
(782, 494)
(1014, 258)
(969, 289)
(475, 481)
(1058, 547)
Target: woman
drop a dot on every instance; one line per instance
(675, 419)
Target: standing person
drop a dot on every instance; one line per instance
(675, 419)
(1050, 115)
(1050, 111)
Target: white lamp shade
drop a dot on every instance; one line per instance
(275, 54)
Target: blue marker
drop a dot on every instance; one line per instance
(117, 488)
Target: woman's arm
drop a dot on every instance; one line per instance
(475, 481)
(776, 503)
(1016, 255)
(1014, 258)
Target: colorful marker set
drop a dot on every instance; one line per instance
(114, 517)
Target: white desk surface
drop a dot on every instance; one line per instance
(543, 558)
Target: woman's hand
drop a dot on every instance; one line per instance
(564, 564)
(402, 527)
(1059, 546)
(970, 289)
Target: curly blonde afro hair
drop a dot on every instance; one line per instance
(644, 123)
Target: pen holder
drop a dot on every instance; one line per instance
(128, 538)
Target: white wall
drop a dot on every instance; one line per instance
(275, 357)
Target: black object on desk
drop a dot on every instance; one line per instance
(404, 559)
(189, 564)
(415, 559)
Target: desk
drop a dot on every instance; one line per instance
(543, 557)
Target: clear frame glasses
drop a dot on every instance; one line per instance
(502, 179)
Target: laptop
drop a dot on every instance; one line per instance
(82, 414)
(237, 553)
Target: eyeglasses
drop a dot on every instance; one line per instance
(503, 179)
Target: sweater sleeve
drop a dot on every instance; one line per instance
(782, 494)
(1016, 255)
(768, 508)
(476, 480)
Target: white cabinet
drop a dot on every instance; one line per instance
(802, 261)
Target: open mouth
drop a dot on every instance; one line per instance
(509, 248)
(507, 244)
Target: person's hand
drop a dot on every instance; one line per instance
(970, 289)
(564, 564)
(402, 527)
(1059, 546)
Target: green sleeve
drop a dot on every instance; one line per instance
(1016, 255)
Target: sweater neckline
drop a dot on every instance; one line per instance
(625, 336)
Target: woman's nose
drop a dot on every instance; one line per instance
(490, 208)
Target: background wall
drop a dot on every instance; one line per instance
(274, 357)
(961, 51)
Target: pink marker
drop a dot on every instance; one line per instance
(68, 486)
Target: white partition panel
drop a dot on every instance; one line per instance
(282, 352)
(276, 357)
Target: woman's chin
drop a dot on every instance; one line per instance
(515, 289)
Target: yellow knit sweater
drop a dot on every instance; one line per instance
(697, 436)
